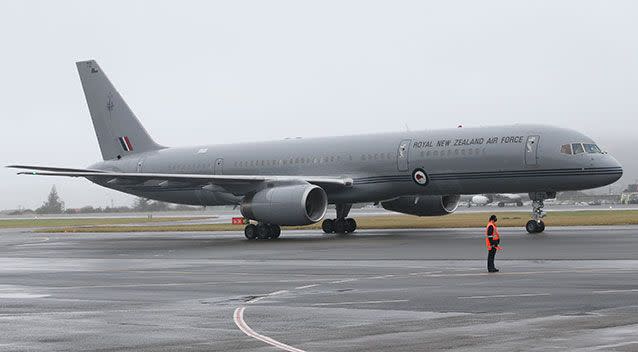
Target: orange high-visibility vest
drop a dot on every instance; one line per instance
(494, 235)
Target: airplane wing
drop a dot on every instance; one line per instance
(238, 184)
(52, 168)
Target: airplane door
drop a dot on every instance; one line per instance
(531, 150)
(219, 166)
(402, 155)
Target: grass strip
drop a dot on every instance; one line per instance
(62, 222)
(459, 220)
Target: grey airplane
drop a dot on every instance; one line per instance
(292, 181)
(501, 199)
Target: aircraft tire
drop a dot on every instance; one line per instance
(250, 231)
(328, 226)
(533, 226)
(275, 231)
(541, 226)
(263, 232)
(519, 204)
(340, 226)
(351, 225)
(501, 204)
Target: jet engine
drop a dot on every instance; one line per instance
(300, 204)
(423, 205)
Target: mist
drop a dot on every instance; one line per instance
(200, 72)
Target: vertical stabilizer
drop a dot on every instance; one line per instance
(118, 131)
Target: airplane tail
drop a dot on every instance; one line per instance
(118, 131)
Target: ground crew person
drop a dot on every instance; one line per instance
(492, 241)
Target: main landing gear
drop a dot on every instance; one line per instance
(262, 231)
(536, 225)
(342, 224)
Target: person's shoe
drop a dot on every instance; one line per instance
(493, 270)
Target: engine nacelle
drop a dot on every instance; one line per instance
(423, 205)
(292, 205)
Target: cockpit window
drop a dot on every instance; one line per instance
(592, 149)
(577, 148)
(566, 148)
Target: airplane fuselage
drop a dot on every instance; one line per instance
(501, 159)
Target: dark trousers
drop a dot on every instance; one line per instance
(490, 259)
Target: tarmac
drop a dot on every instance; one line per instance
(402, 290)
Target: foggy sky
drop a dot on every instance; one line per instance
(232, 71)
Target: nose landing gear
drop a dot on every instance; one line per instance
(536, 225)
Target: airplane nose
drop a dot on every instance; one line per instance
(614, 168)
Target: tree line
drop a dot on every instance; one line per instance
(55, 205)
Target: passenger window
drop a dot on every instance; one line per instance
(577, 148)
(566, 149)
(592, 149)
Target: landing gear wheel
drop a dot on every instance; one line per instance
(275, 231)
(263, 232)
(328, 226)
(250, 231)
(534, 226)
(501, 204)
(351, 225)
(340, 225)
(537, 225)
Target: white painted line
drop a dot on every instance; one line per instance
(307, 286)
(615, 291)
(506, 296)
(342, 281)
(425, 273)
(277, 292)
(381, 277)
(360, 302)
(238, 317)
(257, 299)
